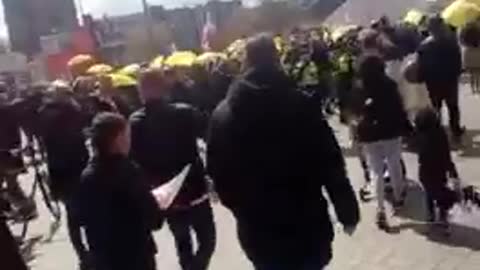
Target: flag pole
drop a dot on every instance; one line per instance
(148, 24)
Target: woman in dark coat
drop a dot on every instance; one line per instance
(381, 122)
(116, 208)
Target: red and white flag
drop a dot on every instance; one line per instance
(208, 33)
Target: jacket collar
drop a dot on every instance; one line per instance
(155, 105)
(109, 158)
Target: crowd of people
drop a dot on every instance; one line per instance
(270, 152)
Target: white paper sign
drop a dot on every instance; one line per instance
(166, 193)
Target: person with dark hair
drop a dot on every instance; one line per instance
(116, 206)
(308, 63)
(270, 154)
(164, 142)
(61, 124)
(380, 124)
(183, 88)
(436, 166)
(440, 67)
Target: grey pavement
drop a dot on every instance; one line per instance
(413, 247)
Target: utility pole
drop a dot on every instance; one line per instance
(148, 26)
(80, 10)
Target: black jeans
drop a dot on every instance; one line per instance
(437, 194)
(277, 252)
(317, 262)
(142, 262)
(283, 267)
(11, 258)
(448, 93)
(199, 219)
(74, 232)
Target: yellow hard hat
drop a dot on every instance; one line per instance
(158, 62)
(99, 69)
(122, 80)
(181, 59)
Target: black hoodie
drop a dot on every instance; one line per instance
(118, 212)
(377, 104)
(270, 152)
(164, 141)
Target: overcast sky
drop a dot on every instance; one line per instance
(116, 7)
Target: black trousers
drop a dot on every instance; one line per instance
(303, 250)
(283, 267)
(447, 93)
(437, 194)
(74, 232)
(317, 261)
(11, 258)
(130, 262)
(198, 219)
(316, 264)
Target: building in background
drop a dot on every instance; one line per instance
(126, 39)
(320, 8)
(29, 20)
(14, 70)
(362, 12)
(187, 24)
(58, 49)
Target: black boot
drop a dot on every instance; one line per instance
(382, 222)
(443, 223)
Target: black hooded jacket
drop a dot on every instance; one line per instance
(61, 126)
(440, 61)
(119, 213)
(164, 141)
(270, 154)
(377, 104)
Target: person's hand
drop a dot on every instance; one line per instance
(349, 229)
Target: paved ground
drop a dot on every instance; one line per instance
(413, 247)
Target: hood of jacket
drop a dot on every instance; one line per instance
(258, 90)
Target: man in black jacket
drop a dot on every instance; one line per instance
(164, 141)
(61, 130)
(270, 154)
(115, 204)
(440, 66)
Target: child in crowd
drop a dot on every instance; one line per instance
(435, 166)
